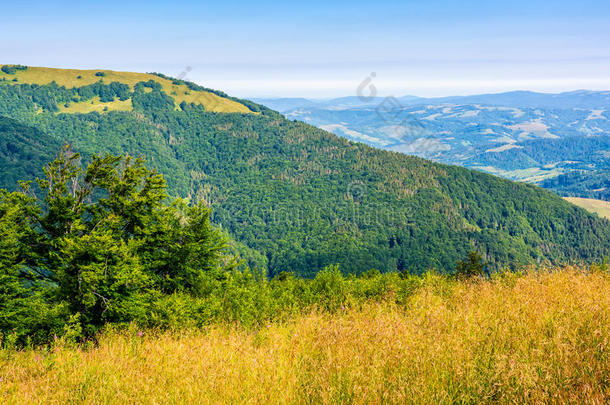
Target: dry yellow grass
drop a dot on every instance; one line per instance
(600, 207)
(69, 78)
(540, 338)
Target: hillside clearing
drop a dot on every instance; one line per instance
(600, 207)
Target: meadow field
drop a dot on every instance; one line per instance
(537, 337)
(600, 207)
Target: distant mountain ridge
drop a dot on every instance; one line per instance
(519, 98)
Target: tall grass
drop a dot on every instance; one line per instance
(534, 338)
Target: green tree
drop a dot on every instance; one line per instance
(473, 266)
(24, 312)
(102, 243)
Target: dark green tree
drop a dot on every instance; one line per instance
(24, 310)
(473, 266)
(102, 243)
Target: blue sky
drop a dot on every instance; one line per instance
(324, 49)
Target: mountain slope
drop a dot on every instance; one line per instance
(305, 198)
(23, 151)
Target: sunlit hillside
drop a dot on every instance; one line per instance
(600, 207)
(535, 338)
(76, 78)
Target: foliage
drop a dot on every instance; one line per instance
(302, 199)
(474, 266)
(23, 309)
(69, 79)
(12, 69)
(23, 152)
(152, 100)
(582, 183)
(100, 244)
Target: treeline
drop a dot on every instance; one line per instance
(582, 152)
(581, 183)
(146, 96)
(12, 69)
(585, 159)
(50, 97)
(195, 87)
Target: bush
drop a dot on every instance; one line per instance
(474, 266)
(329, 288)
(12, 69)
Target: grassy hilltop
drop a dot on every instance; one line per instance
(71, 78)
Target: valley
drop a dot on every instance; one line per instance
(553, 140)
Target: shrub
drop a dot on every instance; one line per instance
(328, 288)
(474, 266)
(12, 69)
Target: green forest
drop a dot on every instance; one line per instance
(87, 246)
(589, 164)
(296, 198)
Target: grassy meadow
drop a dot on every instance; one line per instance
(537, 337)
(599, 207)
(76, 78)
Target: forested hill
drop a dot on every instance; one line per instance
(302, 197)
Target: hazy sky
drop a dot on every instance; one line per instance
(324, 48)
